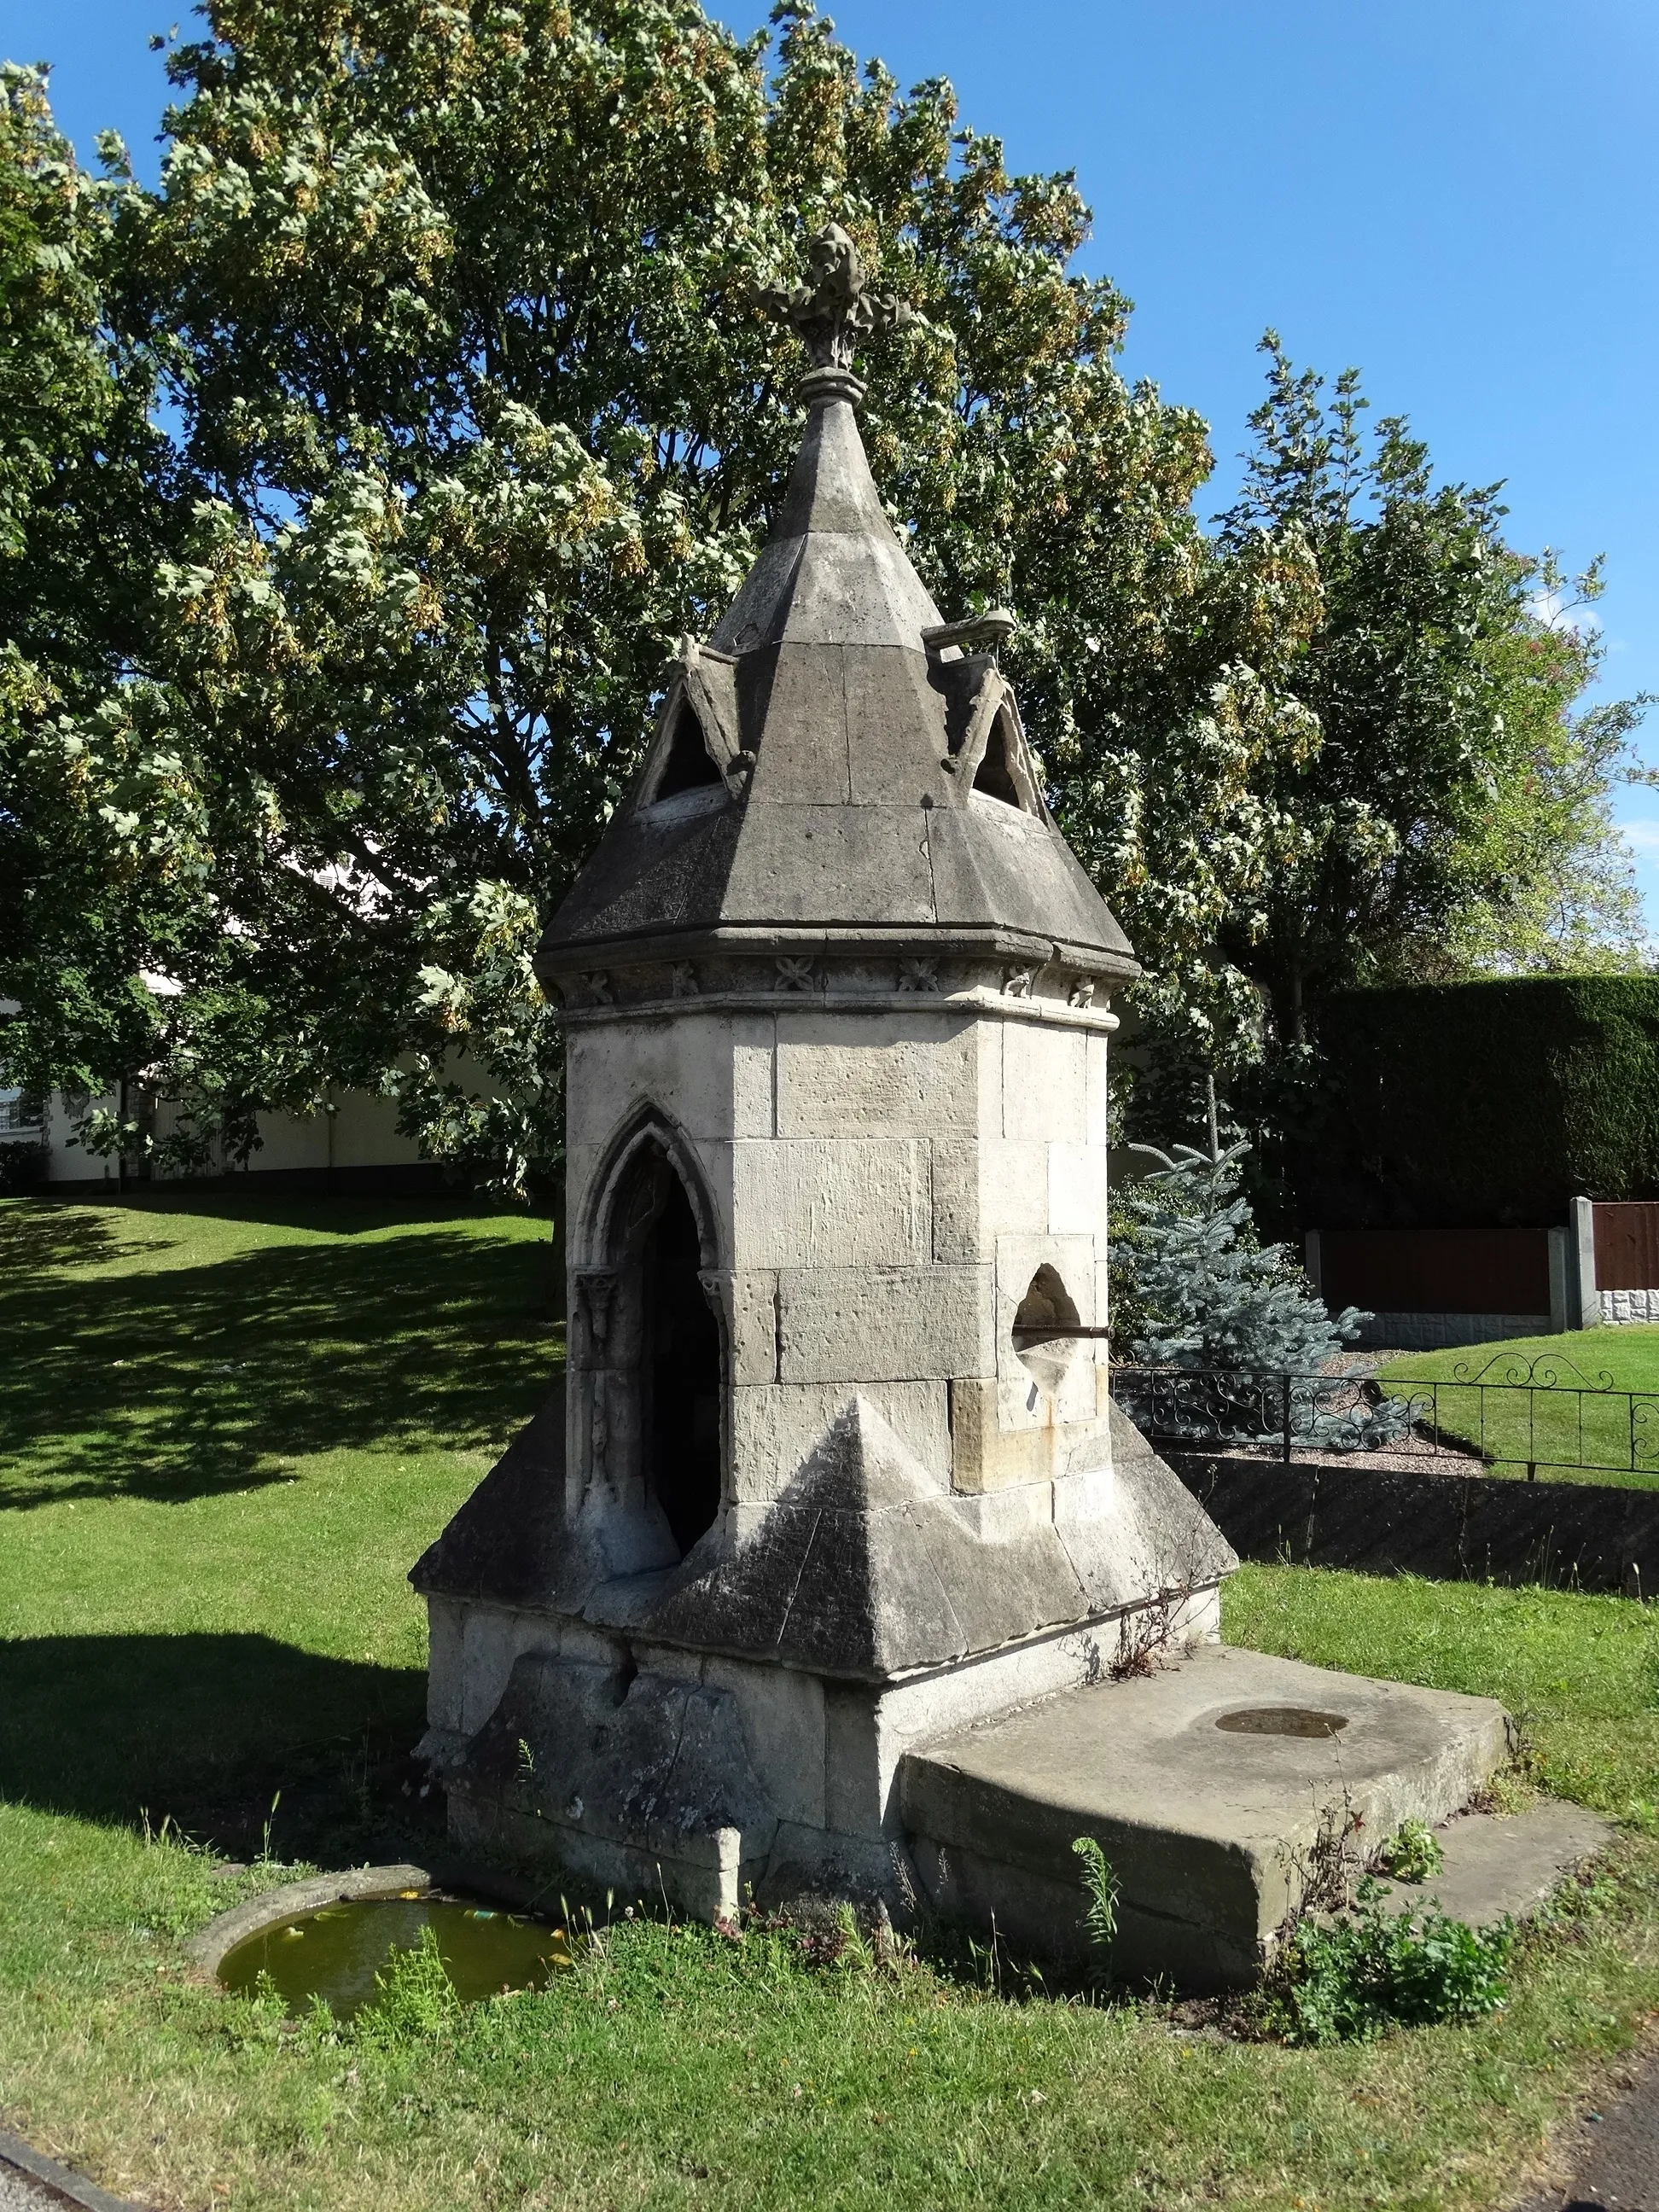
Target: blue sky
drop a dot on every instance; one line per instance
(1458, 196)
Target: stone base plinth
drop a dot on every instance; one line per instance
(1212, 1789)
(697, 1778)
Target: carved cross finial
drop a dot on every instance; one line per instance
(836, 310)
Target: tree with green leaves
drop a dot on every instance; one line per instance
(457, 311)
(1453, 814)
(454, 315)
(101, 831)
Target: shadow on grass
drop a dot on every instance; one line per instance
(36, 1235)
(206, 1729)
(260, 1199)
(175, 1382)
(255, 1199)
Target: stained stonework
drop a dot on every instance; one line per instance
(818, 1486)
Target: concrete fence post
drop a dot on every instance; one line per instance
(1563, 1283)
(1582, 1270)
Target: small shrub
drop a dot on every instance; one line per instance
(1351, 1980)
(857, 1939)
(257, 2018)
(1224, 1317)
(22, 1168)
(1413, 1853)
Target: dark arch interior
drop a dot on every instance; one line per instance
(994, 775)
(680, 1366)
(688, 764)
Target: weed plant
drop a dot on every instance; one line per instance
(1100, 1885)
(1354, 1978)
(1413, 1853)
(414, 1999)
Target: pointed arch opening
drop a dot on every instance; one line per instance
(995, 776)
(661, 1366)
(1048, 1306)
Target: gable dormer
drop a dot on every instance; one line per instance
(996, 760)
(696, 744)
(989, 754)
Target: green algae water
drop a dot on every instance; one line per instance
(335, 1953)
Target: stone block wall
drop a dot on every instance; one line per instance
(1438, 1332)
(816, 1797)
(882, 1181)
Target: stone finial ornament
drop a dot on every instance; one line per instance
(834, 312)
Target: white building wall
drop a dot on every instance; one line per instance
(360, 1132)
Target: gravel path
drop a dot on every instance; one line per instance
(19, 2194)
(1613, 2156)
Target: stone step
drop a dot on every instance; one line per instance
(1218, 1787)
(1497, 1866)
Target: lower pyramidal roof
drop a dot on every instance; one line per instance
(864, 1568)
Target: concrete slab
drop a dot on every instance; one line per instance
(1497, 1865)
(1209, 1786)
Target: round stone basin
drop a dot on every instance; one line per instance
(1282, 1720)
(335, 1953)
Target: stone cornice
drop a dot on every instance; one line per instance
(981, 999)
(859, 941)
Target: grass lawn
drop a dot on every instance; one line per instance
(1600, 1423)
(225, 1432)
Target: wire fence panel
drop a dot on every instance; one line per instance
(1509, 1415)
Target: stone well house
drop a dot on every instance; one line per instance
(835, 1468)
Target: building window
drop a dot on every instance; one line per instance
(19, 1115)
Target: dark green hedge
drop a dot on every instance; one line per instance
(1492, 1101)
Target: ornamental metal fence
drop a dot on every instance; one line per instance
(1509, 1414)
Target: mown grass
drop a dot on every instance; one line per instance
(1581, 1673)
(1593, 1418)
(191, 1625)
(227, 1431)
(169, 1349)
(683, 2070)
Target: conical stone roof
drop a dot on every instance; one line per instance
(836, 769)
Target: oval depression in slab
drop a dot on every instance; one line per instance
(1282, 1720)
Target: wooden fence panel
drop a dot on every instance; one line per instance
(1465, 1271)
(1627, 1246)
